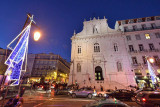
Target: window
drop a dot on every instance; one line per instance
(153, 25)
(98, 73)
(128, 38)
(151, 46)
(119, 66)
(131, 49)
(156, 59)
(148, 19)
(96, 47)
(131, 21)
(157, 18)
(78, 67)
(134, 60)
(139, 20)
(79, 49)
(138, 37)
(147, 36)
(141, 48)
(115, 47)
(144, 60)
(143, 26)
(125, 29)
(134, 27)
(157, 35)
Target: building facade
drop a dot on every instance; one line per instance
(142, 38)
(52, 67)
(110, 58)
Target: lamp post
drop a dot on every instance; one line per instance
(18, 55)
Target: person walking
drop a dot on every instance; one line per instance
(22, 91)
(101, 88)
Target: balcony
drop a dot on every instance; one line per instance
(141, 29)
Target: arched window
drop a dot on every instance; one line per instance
(119, 66)
(78, 67)
(79, 49)
(98, 73)
(96, 47)
(115, 47)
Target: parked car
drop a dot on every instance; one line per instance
(148, 98)
(122, 94)
(104, 93)
(84, 92)
(107, 103)
(63, 92)
(144, 89)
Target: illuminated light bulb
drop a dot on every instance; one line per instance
(151, 60)
(37, 36)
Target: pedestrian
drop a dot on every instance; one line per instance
(22, 91)
(15, 100)
(101, 88)
(115, 88)
(20, 102)
(9, 103)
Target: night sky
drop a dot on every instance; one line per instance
(59, 18)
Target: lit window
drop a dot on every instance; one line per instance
(147, 36)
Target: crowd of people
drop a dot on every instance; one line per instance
(15, 102)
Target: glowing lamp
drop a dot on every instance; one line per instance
(37, 36)
(151, 60)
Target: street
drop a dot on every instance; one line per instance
(43, 99)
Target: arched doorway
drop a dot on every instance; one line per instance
(98, 73)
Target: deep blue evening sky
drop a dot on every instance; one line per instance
(59, 18)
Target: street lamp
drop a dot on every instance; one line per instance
(151, 60)
(37, 35)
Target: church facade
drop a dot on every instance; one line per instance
(99, 57)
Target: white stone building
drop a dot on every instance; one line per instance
(99, 57)
(142, 38)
